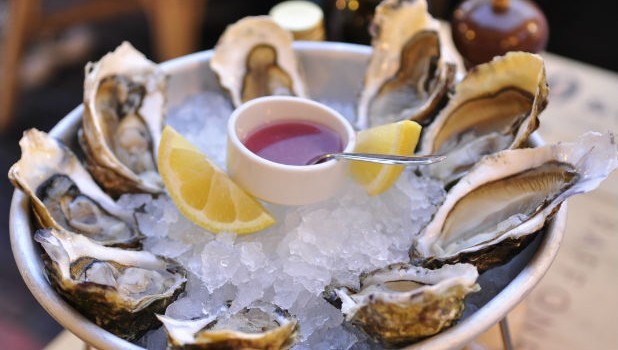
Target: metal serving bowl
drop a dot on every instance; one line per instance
(334, 72)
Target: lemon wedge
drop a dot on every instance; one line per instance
(204, 193)
(398, 138)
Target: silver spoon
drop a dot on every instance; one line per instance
(379, 158)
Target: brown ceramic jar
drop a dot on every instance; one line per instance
(483, 29)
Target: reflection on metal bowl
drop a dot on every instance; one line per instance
(190, 75)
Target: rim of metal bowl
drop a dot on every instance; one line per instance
(27, 253)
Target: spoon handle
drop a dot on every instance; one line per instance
(383, 158)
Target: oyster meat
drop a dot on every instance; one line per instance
(263, 326)
(489, 215)
(254, 58)
(124, 99)
(119, 290)
(64, 195)
(408, 76)
(402, 303)
(495, 107)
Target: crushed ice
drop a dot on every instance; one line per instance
(290, 263)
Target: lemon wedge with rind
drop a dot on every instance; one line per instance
(204, 193)
(398, 138)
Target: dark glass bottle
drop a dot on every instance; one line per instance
(349, 20)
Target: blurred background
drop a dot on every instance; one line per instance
(46, 43)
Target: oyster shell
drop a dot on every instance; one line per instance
(401, 303)
(119, 290)
(124, 99)
(408, 76)
(490, 214)
(259, 327)
(254, 58)
(495, 107)
(64, 195)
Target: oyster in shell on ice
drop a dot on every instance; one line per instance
(402, 303)
(124, 99)
(64, 195)
(495, 107)
(408, 76)
(490, 214)
(254, 58)
(258, 327)
(119, 290)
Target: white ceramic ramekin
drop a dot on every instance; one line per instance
(280, 183)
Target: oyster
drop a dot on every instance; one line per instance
(495, 107)
(254, 58)
(401, 303)
(64, 195)
(259, 327)
(119, 290)
(507, 197)
(124, 99)
(408, 76)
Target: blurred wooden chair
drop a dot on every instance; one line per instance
(175, 26)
